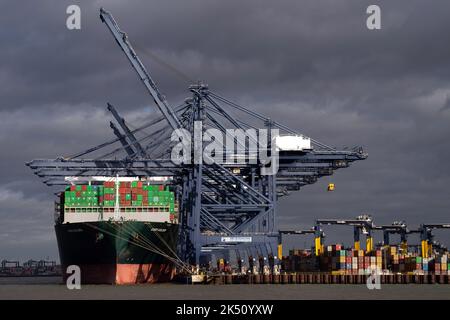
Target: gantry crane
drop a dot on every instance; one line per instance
(229, 205)
(397, 227)
(31, 263)
(10, 264)
(426, 236)
(361, 224)
(318, 233)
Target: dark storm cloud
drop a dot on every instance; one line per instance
(310, 64)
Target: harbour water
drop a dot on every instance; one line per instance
(53, 288)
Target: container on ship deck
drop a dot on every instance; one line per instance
(108, 190)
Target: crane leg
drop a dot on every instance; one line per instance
(280, 251)
(424, 249)
(369, 244)
(317, 246)
(404, 246)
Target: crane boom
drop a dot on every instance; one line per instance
(122, 41)
(361, 223)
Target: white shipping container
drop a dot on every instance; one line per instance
(292, 143)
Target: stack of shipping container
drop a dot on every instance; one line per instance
(337, 260)
(131, 194)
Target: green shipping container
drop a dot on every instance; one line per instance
(109, 190)
(108, 203)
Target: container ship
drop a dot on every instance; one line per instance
(118, 232)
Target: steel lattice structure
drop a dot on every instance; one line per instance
(223, 206)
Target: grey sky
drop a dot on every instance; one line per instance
(312, 65)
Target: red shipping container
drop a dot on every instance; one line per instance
(84, 187)
(139, 184)
(110, 184)
(161, 188)
(109, 197)
(73, 188)
(78, 194)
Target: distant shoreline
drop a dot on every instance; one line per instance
(31, 276)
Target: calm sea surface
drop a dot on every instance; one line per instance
(53, 288)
